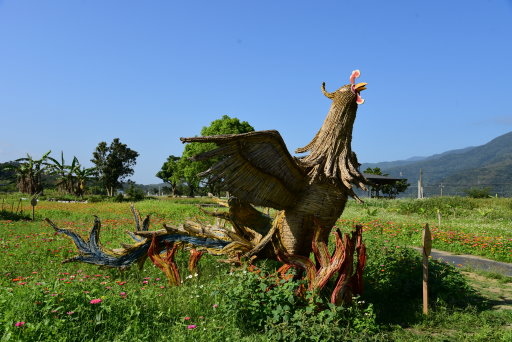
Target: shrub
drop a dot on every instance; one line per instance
(135, 193)
(265, 302)
(119, 197)
(478, 192)
(393, 284)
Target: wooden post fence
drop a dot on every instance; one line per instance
(427, 248)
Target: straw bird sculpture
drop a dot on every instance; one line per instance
(309, 192)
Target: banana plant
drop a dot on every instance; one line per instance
(63, 173)
(82, 175)
(29, 173)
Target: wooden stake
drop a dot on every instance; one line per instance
(427, 248)
(33, 202)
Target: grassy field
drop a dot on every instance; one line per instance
(43, 299)
(462, 225)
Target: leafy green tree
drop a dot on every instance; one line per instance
(190, 170)
(8, 176)
(171, 173)
(113, 164)
(392, 190)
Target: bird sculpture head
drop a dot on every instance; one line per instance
(348, 94)
(330, 153)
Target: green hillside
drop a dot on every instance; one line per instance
(452, 172)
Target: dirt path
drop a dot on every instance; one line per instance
(499, 292)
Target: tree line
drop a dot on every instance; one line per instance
(112, 164)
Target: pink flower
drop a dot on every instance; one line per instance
(20, 324)
(215, 306)
(95, 301)
(122, 294)
(186, 318)
(70, 312)
(191, 326)
(145, 282)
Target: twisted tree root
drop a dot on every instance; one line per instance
(348, 281)
(167, 264)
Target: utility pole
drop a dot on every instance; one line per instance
(441, 186)
(420, 185)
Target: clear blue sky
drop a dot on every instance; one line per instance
(74, 73)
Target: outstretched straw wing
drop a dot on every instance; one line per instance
(256, 167)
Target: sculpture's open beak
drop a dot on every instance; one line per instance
(360, 87)
(357, 89)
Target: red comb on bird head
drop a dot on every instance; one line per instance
(355, 74)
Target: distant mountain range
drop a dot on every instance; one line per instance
(452, 172)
